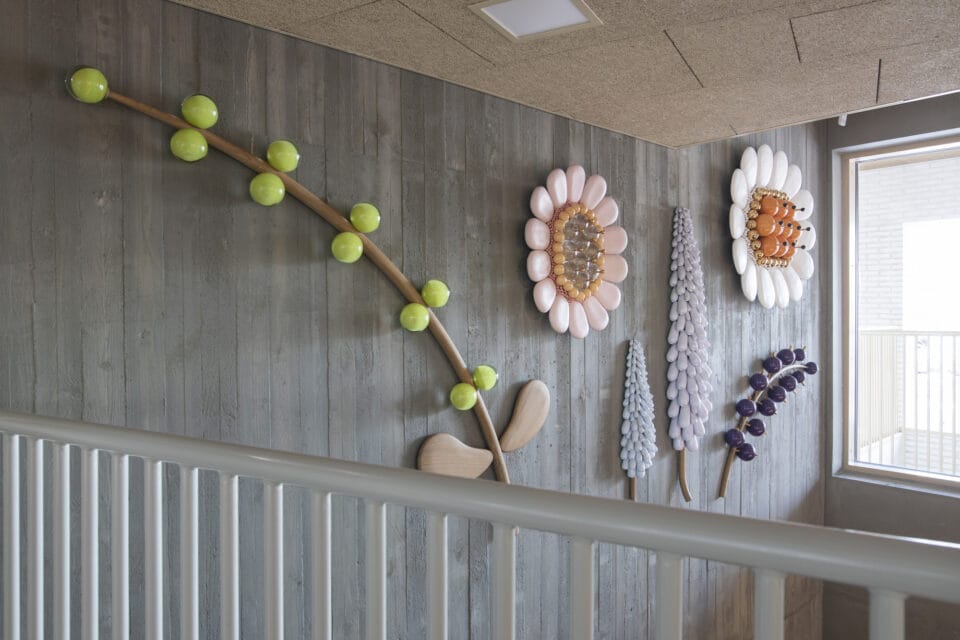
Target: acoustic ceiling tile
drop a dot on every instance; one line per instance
(918, 72)
(279, 16)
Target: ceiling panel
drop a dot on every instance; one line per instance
(917, 72)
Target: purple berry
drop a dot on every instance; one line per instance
(746, 452)
(811, 368)
(772, 364)
(733, 438)
(800, 354)
(776, 393)
(799, 376)
(758, 381)
(786, 356)
(788, 382)
(755, 427)
(746, 408)
(766, 407)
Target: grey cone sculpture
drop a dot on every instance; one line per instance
(638, 438)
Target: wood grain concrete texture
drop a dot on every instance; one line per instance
(138, 290)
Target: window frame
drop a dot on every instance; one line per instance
(845, 165)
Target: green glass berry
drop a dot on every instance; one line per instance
(200, 111)
(485, 377)
(283, 156)
(414, 317)
(347, 247)
(435, 293)
(267, 189)
(365, 217)
(88, 85)
(188, 144)
(463, 396)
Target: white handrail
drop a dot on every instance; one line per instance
(882, 563)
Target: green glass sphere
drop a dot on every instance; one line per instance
(435, 293)
(267, 189)
(88, 85)
(283, 156)
(347, 247)
(188, 145)
(200, 111)
(463, 396)
(414, 317)
(485, 377)
(365, 217)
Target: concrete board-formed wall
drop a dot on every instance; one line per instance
(139, 290)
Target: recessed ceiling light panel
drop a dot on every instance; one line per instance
(527, 19)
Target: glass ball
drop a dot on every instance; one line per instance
(347, 247)
(786, 356)
(799, 376)
(746, 407)
(772, 364)
(733, 438)
(800, 354)
(756, 427)
(758, 381)
(463, 396)
(267, 189)
(88, 85)
(485, 377)
(746, 452)
(766, 407)
(200, 111)
(811, 368)
(415, 317)
(283, 156)
(777, 393)
(435, 293)
(788, 382)
(365, 217)
(188, 144)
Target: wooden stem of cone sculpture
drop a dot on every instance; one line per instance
(682, 474)
(370, 250)
(727, 467)
(633, 489)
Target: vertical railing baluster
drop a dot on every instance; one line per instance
(322, 567)
(35, 531)
(61, 542)
(437, 575)
(953, 400)
(887, 620)
(581, 588)
(120, 534)
(376, 570)
(189, 555)
(768, 594)
(229, 557)
(153, 547)
(669, 600)
(273, 558)
(90, 540)
(11, 536)
(503, 598)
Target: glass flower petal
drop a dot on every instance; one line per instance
(780, 288)
(779, 173)
(792, 182)
(544, 293)
(576, 176)
(557, 187)
(614, 240)
(537, 234)
(748, 282)
(738, 188)
(804, 202)
(614, 269)
(593, 191)
(606, 212)
(579, 327)
(803, 264)
(609, 295)
(766, 294)
(597, 316)
(738, 222)
(541, 205)
(794, 283)
(748, 164)
(538, 265)
(560, 315)
(764, 165)
(741, 254)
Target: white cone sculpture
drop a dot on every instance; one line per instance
(638, 438)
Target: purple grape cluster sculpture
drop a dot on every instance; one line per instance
(782, 373)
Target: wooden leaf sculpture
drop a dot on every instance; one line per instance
(638, 438)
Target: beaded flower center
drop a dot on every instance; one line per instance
(577, 251)
(771, 228)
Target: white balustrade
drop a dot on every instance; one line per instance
(35, 532)
(120, 534)
(322, 537)
(437, 552)
(229, 557)
(153, 547)
(189, 554)
(90, 543)
(376, 564)
(11, 536)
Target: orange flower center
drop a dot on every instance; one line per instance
(771, 228)
(576, 251)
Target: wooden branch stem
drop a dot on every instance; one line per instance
(370, 250)
(682, 474)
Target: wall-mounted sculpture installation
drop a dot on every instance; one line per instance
(638, 437)
(575, 256)
(769, 224)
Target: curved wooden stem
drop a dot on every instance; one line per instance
(682, 474)
(633, 488)
(370, 250)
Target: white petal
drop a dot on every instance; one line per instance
(780, 288)
(538, 265)
(748, 164)
(593, 191)
(597, 316)
(537, 234)
(741, 254)
(541, 205)
(794, 283)
(779, 173)
(560, 315)
(579, 327)
(614, 269)
(606, 212)
(804, 202)
(808, 238)
(764, 164)
(792, 182)
(766, 294)
(557, 187)
(802, 263)
(748, 281)
(738, 188)
(575, 179)
(609, 295)
(614, 240)
(738, 221)
(544, 293)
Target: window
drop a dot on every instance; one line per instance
(901, 311)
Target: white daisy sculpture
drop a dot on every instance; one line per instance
(771, 240)
(575, 251)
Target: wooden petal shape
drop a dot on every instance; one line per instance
(579, 327)
(741, 254)
(794, 283)
(593, 191)
(804, 202)
(544, 293)
(764, 165)
(607, 211)
(609, 295)
(557, 187)
(560, 315)
(536, 234)
(614, 269)
(614, 240)
(538, 265)
(444, 454)
(597, 316)
(529, 414)
(802, 263)
(792, 182)
(766, 294)
(780, 289)
(541, 205)
(748, 282)
(748, 164)
(779, 173)
(576, 176)
(738, 188)
(738, 222)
